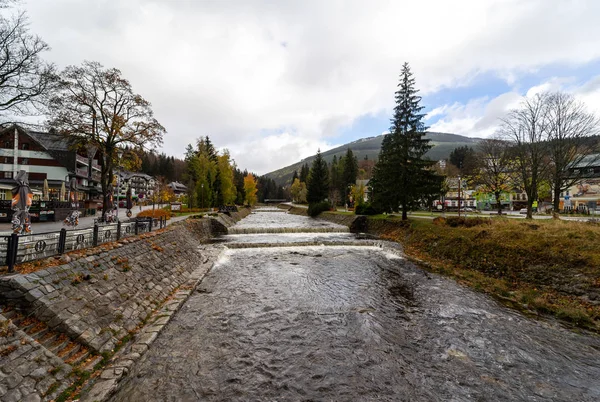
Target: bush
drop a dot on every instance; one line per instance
(365, 209)
(455, 221)
(156, 213)
(318, 207)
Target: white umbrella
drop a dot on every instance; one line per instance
(63, 191)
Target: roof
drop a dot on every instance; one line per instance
(127, 175)
(50, 141)
(590, 160)
(175, 185)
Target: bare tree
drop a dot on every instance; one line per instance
(495, 168)
(569, 124)
(526, 128)
(97, 106)
(24, 77)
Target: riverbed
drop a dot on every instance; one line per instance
(321, 315)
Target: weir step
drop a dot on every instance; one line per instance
(61, 345)
(61, 342)
(77, 358)
(237, 230)
(89, 366)
(69, 350)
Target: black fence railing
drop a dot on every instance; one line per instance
(18, 249)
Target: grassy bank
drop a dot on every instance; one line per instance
(540, 267)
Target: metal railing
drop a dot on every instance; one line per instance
(18, 249)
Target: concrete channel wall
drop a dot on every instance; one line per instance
(65, 316)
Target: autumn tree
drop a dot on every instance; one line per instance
(96, 106)
(298, 191)
(227, 186)
(250, 189)
(526, 129)
(569, 125)
(495, 168)
(25, 79)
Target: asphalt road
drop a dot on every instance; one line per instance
(84, 222)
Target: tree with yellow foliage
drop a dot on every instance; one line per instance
(250, 189)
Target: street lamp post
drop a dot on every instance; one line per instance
(119, 155)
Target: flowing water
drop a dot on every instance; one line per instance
(323, 316)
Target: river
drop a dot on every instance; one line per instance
(318, 315)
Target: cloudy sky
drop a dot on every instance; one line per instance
(272, 81)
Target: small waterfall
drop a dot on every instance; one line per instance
(257, 211)
(318, 229)
(338, 243)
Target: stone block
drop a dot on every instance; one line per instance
(100, 391)
(43, 386)
(13, 380)
(39, 373)
(32, 398)
(139, 348)
(147, 338)
(27, 386)
(13, 395)
(33, 295)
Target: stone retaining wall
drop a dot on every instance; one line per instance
(98, 299)
(27, 370)
(100, 296)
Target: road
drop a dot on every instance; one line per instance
(84, 222)
(351, 323)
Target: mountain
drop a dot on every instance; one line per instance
(443, 144)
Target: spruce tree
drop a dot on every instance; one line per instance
(402, 177)
(304, 171)
(317, 186)
(350, 171)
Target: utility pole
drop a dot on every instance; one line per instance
(459, 196)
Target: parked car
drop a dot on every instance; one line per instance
(523, 211)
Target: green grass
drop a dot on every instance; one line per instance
(538, 266)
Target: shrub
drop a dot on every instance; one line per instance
(366, 209)
(315, 209)
(156, 213)
(455, 221)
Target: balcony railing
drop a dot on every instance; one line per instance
(82, 160)
(95, 165)
(96, 176)
(81, 172)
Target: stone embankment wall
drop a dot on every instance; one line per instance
(94, 300)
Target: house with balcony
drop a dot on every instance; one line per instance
(585, 193)
(142, 185)
(178, 188)
(46, 157)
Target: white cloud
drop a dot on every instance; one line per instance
(235, 69)
(480, 118)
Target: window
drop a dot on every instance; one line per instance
(3, 195)
(8, 175)
(7, 144)
(24, 145)
(6, 159)
(24, 161)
